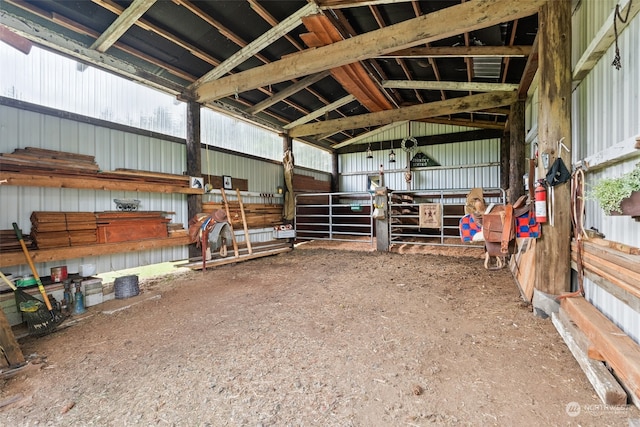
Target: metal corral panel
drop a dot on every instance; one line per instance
(463, 165)
(112, 149)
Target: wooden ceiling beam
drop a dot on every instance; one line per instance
(530, 70)
(369, 134)
(121, 24)
(443, 138)
(453, 86)
(461, 52)
(321, 111)
(296, 87)
(264, 14)
(481, 124)
(148, 26)
(258, 44)
(342, 4)
(414, 112)
(15, 41)
(440, 24)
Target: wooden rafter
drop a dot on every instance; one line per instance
(340, 4)
(414, 112)
(482, 124)
(369, 134)
(122, 24)
(401, 63)
(462, 52)
(321, 111)
(258, 44)
(424, 29)
(454, 86)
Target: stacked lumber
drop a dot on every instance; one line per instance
(116, 226)
(61, 166)
(60, 229)
(134, 175)
(258, 215)
(308, 184)
(176, 229)
(38, 161)
(10, 243)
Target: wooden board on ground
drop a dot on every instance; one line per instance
(522, 267)
(259, 250)
(618, 349)
(603, 382)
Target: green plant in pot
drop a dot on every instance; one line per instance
(612, 192)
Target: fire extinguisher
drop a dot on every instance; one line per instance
(541, 201)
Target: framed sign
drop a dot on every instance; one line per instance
(197, 182)
(227, 184)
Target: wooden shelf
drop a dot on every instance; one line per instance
(52, 181)
(8, 259)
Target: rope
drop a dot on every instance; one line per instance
(616, 60)
(577, 221)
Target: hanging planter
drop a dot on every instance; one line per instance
(619, 196)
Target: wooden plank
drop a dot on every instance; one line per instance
(13, 356)
(523, 266)
(616, 153)
(8, 259)
(624, 275)
(620, 351)
(247, 238)
(415, 112)
(620, 247)
(95, 183)
(632, 301)
(603, 382)
(448, 22)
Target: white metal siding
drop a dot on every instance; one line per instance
(463, 165)
(605, 112)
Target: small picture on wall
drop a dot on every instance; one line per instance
(226, 182)
(197, 182)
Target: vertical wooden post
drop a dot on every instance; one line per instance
(505, 158)
(553, 262)
(516, 152)
(335, 180)
(194, 163)
(287, 143)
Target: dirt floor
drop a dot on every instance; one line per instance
(318, 337)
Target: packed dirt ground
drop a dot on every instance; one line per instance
(316, 337)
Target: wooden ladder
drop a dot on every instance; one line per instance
(244, 221)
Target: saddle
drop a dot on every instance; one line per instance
(201, 225)
(499, 230)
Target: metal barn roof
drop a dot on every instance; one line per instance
(325, 72)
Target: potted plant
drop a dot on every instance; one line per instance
(619, 196)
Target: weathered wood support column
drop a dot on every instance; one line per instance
(553, 262)
(516, 150)
(194, 163)
(335, 179)
(505, 158)
(287, 143)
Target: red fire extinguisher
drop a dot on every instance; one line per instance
(541, 201)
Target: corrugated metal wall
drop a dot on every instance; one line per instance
(463, 165)
(112, 149)
(606, 112)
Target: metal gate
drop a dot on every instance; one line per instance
(404, 217)
(334, 216)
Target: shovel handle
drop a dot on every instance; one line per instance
(45, 297)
